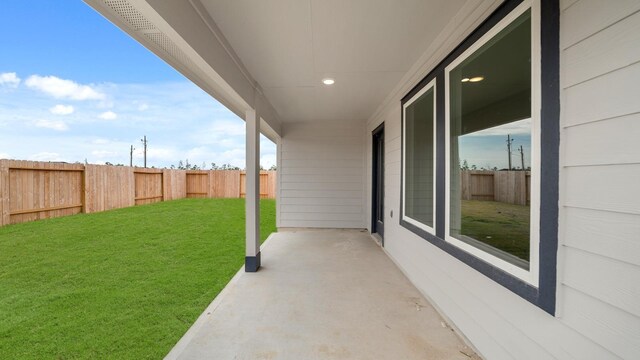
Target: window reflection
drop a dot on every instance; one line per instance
(490, 145)
(419, 118)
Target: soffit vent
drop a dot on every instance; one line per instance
(170, 47)
(146, 28)
(130, 14)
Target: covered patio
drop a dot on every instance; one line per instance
(330, 82)
(321, 294)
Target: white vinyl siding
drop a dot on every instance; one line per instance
(598, 314)
(600, 170)
(321, 175)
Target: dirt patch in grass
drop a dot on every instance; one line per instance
(503, 226)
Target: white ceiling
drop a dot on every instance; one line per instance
(289, 46)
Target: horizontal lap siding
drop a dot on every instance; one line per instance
(600, 196)
(321, 182)
(599, 234)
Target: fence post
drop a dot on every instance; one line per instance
(209, 190)
(165, 185)
(83, 191)
(4, 193)
(523, 187)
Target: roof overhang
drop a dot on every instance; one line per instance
(173, 30)
(272, 55)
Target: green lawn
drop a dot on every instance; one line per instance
(122, 284)
(503, 226)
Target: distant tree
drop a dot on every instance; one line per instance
(229, 167)
(465, 165)
(273, 168)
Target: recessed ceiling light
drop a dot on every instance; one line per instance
(328, 81)
(465, 79)
(476, 79)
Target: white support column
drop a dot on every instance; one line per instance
(252, 191)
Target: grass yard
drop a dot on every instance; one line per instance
(122, 284)
(503, 226)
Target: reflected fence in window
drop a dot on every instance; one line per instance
(511, 187)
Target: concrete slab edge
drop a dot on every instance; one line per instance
(188, 336)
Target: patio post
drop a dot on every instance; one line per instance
(252, 191)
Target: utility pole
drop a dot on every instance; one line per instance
(509, 141)
(522, 157)
(131, 156)
(144, 142)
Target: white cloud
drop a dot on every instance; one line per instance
(143, 107)
(63, 89)
(62, 110)
(225, 133)
(228, 128)
(57, 125)
(46, 156)
(180, 122)
(162, 154)
(108, 115)
(103, 153)
(267, 160)
(4, 156)
(9, 79)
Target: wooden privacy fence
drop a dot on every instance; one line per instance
(40, 190)
(512, 187)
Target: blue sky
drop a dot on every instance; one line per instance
(75, 87)
(488, 148)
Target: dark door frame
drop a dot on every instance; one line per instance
(377, 188)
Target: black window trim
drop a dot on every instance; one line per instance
(543, 296)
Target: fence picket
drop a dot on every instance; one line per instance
(511, 187)
(37, 190)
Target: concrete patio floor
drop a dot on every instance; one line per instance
(321, 294)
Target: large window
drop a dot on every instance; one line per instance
(419, 161)
(476, 181)
(492, 153)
